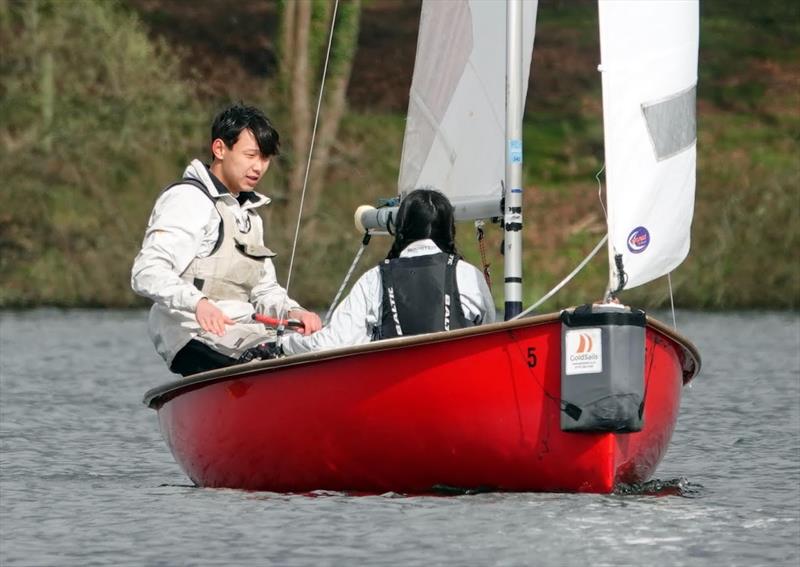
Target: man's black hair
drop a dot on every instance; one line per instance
(230, 122)
(425, 213)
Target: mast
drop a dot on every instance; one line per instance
(513, 176)
(464, 129)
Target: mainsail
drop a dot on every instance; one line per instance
(455, 133)
(649, 71)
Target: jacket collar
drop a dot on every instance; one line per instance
(420, 248)
(216, 188)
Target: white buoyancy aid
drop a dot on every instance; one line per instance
(226, 277)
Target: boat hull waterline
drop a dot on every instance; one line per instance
(475, 409)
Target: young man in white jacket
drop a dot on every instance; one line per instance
(203, 262)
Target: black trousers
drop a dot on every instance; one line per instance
(196, 357)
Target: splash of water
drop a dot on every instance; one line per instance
(657, 487)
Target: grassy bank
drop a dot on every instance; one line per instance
(97, 116)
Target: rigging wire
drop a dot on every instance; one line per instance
(600, 192)
(609, 295)
(308, 165)
(672, 301)
(342, 287)
(583, 262)
(566, 280)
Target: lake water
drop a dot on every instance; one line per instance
(85, 477)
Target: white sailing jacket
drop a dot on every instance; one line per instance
(353, 320)
(184, 226)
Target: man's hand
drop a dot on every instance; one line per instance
(311, 321)
(211, 317)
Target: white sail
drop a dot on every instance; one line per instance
(649, 72)
(455, 133)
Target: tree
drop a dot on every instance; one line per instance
(305, 26)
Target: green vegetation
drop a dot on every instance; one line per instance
(95, 118)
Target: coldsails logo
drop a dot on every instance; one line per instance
(583, 351)
(585, 344)
(638, 239)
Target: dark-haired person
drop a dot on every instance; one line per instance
(422, 286)
(203, 262)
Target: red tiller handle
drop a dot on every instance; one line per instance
(274, 322)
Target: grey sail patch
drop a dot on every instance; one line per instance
(671, 123)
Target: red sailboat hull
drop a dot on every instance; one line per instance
(476, 409)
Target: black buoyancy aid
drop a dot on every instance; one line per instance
(420, 295)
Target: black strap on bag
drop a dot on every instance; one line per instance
(199, 185)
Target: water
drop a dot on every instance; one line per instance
(85, 477)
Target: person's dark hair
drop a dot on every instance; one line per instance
(424, 213)
(230, 122)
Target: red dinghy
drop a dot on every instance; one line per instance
(577, 401)
(474, 409)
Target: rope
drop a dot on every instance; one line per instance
(364, 243)
(308, 166)
(482, 247)
(566, 280)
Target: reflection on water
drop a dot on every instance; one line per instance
(86, 478)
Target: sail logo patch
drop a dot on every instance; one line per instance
(638, 239)
(583, 351)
